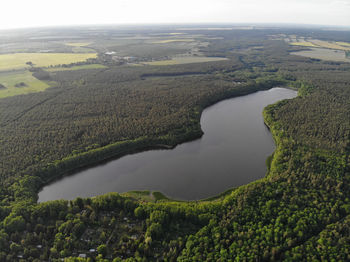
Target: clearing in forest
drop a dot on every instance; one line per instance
(185, 60)
(20, 82)
(19, 60)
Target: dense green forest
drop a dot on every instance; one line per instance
(300, 211)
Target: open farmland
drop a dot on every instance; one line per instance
(29, 84)
(301, 41)
(74, 68)
(307, 44)
(324, 54)
(172, 41)
(78, 44)
(19, 60)
(185, 60)
(343, 44)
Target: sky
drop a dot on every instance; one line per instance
(33, 13)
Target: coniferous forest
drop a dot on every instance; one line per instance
(299, 212)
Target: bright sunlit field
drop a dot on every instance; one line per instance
(19, 60)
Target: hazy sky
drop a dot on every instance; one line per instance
(29, 13)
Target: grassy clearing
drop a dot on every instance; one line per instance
(308, 44)
(324, 54)
(343, 44)
(74, 68)
(140, 195)
(18, 60)
(172, 41)
(185, 60)
(80, 49)
(148, 196)
(31, 84)
(330, 45)
(78, 44)
(301, 41)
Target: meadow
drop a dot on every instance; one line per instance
(78, 44)
(18, 60)
(172, 41)
(185, 60)
(335, 45)
(307, 44)
(323, 54)
(74, 68)
(30, 84)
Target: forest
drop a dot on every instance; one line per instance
(299, 212)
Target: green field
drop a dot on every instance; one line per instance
(78, 44)
(18, 60)
(79, 49)
(172, 41)
(9, 80)
(307, 44)
(185, 60)
(343, 44)
(301, 41)
(324, 54)
(74, 68)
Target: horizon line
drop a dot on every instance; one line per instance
(283, 24)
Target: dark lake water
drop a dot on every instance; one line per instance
(232, 152)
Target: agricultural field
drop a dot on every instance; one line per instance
(185, 60)
(343, 44)
(309, 42)
(21, 82)
(318, 49)
(172, 41)
(81, 47)
(74, 68)
(324, 54)
(18, 61)
(329, 44)
(79, 44)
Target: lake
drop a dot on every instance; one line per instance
(232, 152)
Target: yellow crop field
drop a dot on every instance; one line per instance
(19, 60)
(78, 44)
(79, 49)
(343, 44)
(319, 43)
(185, 60)
(323, 54)
(330, 45)
(172, 40)
(304, 44)
(29, 84)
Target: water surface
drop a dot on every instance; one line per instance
(232, 152)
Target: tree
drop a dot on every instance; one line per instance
(139, 212)
(102, 250)
(13, 224)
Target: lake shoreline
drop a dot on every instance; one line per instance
(142, 145)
